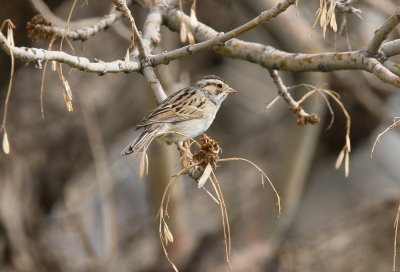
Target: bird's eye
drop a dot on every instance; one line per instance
(219, 85)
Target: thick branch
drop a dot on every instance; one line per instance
(381, 72)
(266, 56)
(382, 33)
(274, 59)
(41, 7)
(221, 38)
(151, 29)
(83, 33)
(393, 67)
(151, 38)
(391, 48)
(37, 55)
(80, 29)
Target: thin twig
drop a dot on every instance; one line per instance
(43, 77)
(396, 226)
(396, 122)
(136, 38)
(303, 117)
(263, 174)
(9, 43)
(224, 216)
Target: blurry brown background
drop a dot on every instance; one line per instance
(70, 202)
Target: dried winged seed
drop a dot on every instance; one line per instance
(127, 59)
(6, 144)
(10, 33)
(322, 19)
(346, 164)
(53, 65)
(142, 165)
(193, 18)
(183, 33)
(67, 94)
(67, 88)
(190, 37)
(348, 146)
(339, 159)
(324, 30)
(169, 238)
(204, 177)
(331, 15)
(333, 23)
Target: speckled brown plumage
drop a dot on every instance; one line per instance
(185, 114)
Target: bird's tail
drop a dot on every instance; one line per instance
(141, 143)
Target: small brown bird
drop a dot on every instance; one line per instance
(183, 115)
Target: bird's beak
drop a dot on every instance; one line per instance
(231, 91)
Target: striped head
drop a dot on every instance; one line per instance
(215, 88)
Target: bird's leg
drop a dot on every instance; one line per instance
(186, 154)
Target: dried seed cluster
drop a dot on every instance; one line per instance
(35, 30)
(207, 153)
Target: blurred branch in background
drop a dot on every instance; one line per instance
(69, 202)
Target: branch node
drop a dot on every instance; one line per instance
(303, 118)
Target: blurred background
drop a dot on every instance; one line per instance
(70, 202)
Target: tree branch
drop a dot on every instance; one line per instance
(79, 32)
(391, 48)
(41, 7)
(382, 33)
(38, 55)
(146, 44)
(303, 117)
(136, 38)
(221, 38)
(151, 29)
(151, 39)
(264, 55)
(82, 33)
(384, 74)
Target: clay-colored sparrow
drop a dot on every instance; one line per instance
(184, 114)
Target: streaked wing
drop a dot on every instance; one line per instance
(185, 104)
